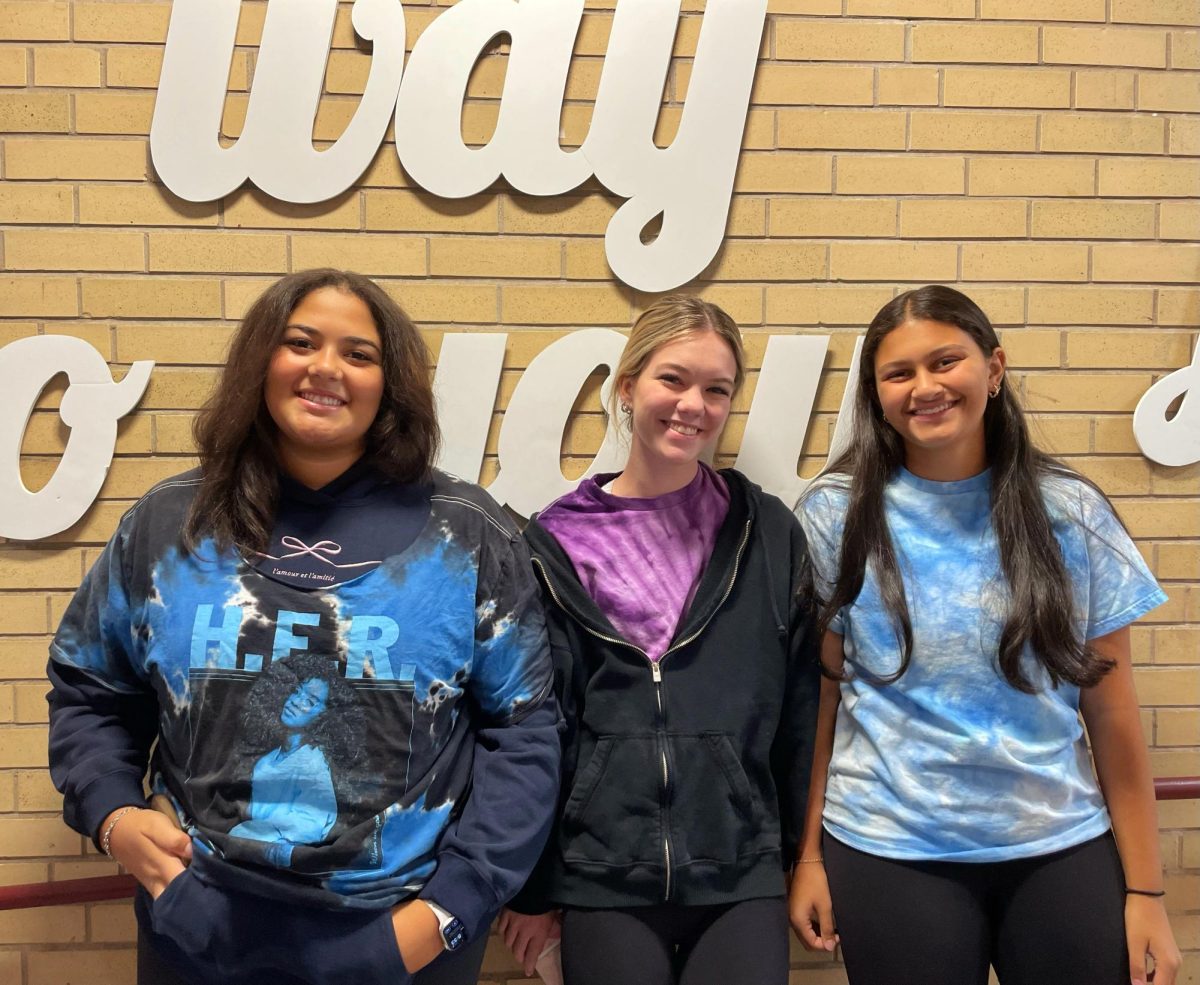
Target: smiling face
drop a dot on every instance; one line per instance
(680, 402)
(933, 382)
(305, 704)
(325, 382)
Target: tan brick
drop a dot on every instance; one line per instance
(151, 297)
(1185, 49)
(785, 172)
(833, 216)
(1179, 220)
(173, 344)
(842, 129)
(482, 256)
(383, 254)
(74, 250)
(24, 613)
(13, 67)
(38, 296)
(1090, 306)
(1025, 261)
(173, 434)
(36, 204)
(528, 214)
(21, 569)
(1155, 12)
(1184, 136)
(1159, 686)
(23, 745)
(1064, 219)
(1117, 476)
(1061, 10)
(1084, 391)
(251, 209)
(142, 205)
(566, 306)
(35, 791)
(114, 112)
(992, 43)
(48, 925)
(835, 40)
(819, 305)
(1032, 176)
(35, 112)
(777, 260)
(911, 8)
(1028, 349)
(1133, 178)
(1169, 92)
(114, 923)
(170, 388)
(422, 212)
(907, 174)
(68, 67)
(1150, 263)
(1178, 560)
(1033, 88)
(1177, 727)
(908, 86)
(1177, 645)
(957, 219)
(131, 22)
(226, 252)
(1144, 349)
(804, 6)
(1104, 46)
(21, 20)
(76, 158)
(1103, 133)
(813, 85)
(927, 262)
(30, 704)
(943, 130)
(445, 302)
(1104, 89)
(1161, 517)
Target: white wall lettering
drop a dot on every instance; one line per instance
(90, 407)
(689, 184)
(1175, 441)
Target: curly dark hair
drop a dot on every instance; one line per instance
(235, 434)
(337, 730)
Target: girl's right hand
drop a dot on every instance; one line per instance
(152, 849)
(811, 908)
(527, 934)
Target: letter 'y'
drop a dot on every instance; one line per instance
(275, 150)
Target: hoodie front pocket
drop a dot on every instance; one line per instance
(613, 814)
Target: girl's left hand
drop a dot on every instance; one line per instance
(1148, 932)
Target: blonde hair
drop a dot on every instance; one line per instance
(667, 320)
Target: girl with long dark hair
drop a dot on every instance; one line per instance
(977, 596)
(685, 660)
(338, 656)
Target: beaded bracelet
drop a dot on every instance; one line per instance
(1145, 892)
(106, 838)
(802, 861)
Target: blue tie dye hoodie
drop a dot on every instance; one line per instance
(387, 734)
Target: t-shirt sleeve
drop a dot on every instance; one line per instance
(822, 514)
(1120, 588)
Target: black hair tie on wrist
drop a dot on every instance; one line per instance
(1145, 892)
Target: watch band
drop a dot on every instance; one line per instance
(454, 934)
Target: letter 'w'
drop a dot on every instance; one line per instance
(275, 150)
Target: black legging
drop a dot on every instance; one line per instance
(742, 943)
(1053, 918)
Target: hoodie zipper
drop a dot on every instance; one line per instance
(656, 675)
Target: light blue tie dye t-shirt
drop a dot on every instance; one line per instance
(951, 762)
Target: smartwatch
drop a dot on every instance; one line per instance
(454, 934)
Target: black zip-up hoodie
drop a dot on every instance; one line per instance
(685, 781)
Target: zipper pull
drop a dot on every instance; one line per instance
(656, 671)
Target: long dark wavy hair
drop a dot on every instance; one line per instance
(236, 437)
(1039, 587)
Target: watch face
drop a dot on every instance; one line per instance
(454, 933)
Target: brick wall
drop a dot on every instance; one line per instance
(1042, 156)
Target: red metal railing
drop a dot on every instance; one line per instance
(99, 888)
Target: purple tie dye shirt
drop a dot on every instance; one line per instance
(640, 559)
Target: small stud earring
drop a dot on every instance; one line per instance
(626, 409)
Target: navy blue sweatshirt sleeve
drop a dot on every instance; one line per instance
(486, 856)
(103, 714)
(791, 754)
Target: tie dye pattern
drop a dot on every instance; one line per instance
(950, 762)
